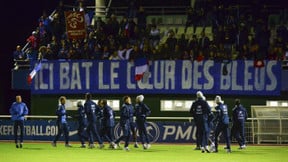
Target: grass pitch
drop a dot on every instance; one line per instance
(44, 152)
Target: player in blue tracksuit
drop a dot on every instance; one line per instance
(82, 121)
(222, 120)
(200, 111)
(133, 127)
(92, 110)
(108, 122)
(62, 123)
(239, 116)
(141, 112)
(125, 119)
(18, 110)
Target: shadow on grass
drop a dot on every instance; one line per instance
(33, 148)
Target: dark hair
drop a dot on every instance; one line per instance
(88, 96)
(237, 101)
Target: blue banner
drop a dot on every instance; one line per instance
(166, 77)
(46, 130)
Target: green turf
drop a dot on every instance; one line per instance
(44, 152)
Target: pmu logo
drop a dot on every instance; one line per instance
(151, 127)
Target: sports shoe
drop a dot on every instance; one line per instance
(91, 146)
(53, 144)
(136, 145)
(202, 149)
(118, 145)
(242, 147)
(207, 149)
(68, 145)
(83, 146)
(148, 146)
(197, 148)
(21, 145)
(228, 151)
(212, 148)
(144, 146)
(113, 145)
(215, 151)
(126, 149)
(101, 146)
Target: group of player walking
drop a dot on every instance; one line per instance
(209, 123)
(97, 121)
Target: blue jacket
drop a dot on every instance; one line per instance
(200, 110)
(82, 117)
(108, 116)
(142, 111)
(92, 111)
(18, 111)
(239, 114)
(222, 116)
(61, 113)
(126, 114)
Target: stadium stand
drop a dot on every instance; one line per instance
(234, 32)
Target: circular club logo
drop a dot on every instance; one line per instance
(151, 127)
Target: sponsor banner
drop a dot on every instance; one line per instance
(166, 77)
(75, 24)
(46, 130)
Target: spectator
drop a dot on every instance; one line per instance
(44, 24)
(54, 44)
(72, 54)
(121, 52)
(262, 38)
(182, 42)
(141, 19)
(186, 56)
(63, 52)
(99, 24)
(242, 36)
(86, 51)
(128, 51)
(33, 40)
(50, 55)
(18, 54)
(192, 19)
(114, 56)
(106, 53)
(57, 26)
(177, 53)
(154, 36)
(115, 25)
(204, 43)
(171, 43)
(96, 53)
(193, 44)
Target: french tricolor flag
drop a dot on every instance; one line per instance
(141, 66)
(37, 67)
